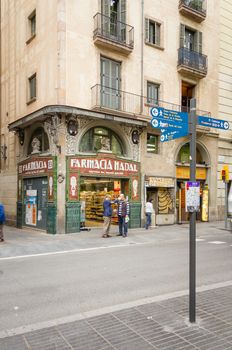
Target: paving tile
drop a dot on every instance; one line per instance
(13, 343)
(135, 345)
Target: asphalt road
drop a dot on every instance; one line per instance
(42, 288)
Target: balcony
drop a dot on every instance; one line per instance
(113, 34)
(122, 103)
(192, 63)
(194, 9)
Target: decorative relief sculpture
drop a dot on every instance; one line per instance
(35, 144)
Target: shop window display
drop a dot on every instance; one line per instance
(92, 194)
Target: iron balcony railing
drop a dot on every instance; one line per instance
(113, 100)
(110, 29)
(193, 60)
(196, 5)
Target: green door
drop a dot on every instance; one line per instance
(35, 202)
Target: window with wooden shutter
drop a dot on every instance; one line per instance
(110, 83)
(152, 32)
(153, 93)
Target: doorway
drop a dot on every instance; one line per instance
(187, 92)
(35, 194)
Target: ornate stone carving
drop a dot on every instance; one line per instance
(53, 126)
(35, 144)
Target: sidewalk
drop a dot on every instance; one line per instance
(161, 325)
(25, 242)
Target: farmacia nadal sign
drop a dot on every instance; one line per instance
(35, 166)
(104, 166)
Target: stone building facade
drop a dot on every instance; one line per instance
(78, 81)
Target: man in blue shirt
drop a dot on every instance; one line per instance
(2, 220)
(107, 214)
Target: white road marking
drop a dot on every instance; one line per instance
(79, 250)
(217, 242)
(200, 240)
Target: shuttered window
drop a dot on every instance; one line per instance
(32, 87)
(190, 39)
(153, 93)
(114, 18)
(110, 83)
(152, 143)
(153, 32)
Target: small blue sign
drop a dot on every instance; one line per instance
(169, 115)
(163, 124)
(213, 123)
(172, 134)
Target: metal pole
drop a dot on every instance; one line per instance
(226, 203)
(192, 226)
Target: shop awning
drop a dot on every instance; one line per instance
(45, 112)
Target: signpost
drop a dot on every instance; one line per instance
(174, 124)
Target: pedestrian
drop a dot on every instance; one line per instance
(123, 215)
(107, 214)
(148, 212)
(2, 220)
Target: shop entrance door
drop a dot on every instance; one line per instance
(35, 202)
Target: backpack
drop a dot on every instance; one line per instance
(2, 214)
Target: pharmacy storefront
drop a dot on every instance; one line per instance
(36, 204)
(89, 179)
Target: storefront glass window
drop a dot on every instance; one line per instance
(152, 143)
(103, 139)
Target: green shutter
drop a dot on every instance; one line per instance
(197, 45)
(147, 30)
(157, 34)
(182, 35)
(105, 7)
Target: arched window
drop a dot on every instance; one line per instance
(184, 154)
(101, 139)
(42, 144)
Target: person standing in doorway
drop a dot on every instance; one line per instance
(107, 214)
(148, 212)
(123, 215)
(2, 220)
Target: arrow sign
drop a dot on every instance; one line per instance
(163, 124)
(213, 123)
(169, 115)
(172, 134)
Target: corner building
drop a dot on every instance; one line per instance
(78, 80)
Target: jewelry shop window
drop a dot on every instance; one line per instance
(101, 139)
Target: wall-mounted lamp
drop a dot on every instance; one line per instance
(135, 137)
(21, 136)
(72, 127)
(3, 152)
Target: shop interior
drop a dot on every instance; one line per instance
(92, 194)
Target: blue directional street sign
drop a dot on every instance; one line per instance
(213, 123)
(169, 115)
(172, 134)
(162, 124)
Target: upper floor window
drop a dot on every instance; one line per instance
(152, 143)
(153, 93)
(101, 139)
(31, 26)
(153, 32)
(190, 39)
(32, 87)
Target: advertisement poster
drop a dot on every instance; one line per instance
(205, 205)
(73, 193)
(192, 196)
(31, 207)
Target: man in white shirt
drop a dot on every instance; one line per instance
(148, 211)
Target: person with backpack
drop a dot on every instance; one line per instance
(123, 215)
(2, 220)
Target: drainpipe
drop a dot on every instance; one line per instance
(142, 45)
